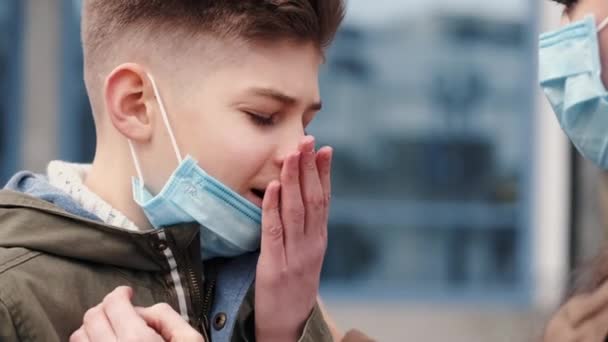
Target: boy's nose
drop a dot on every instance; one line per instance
(287, 147)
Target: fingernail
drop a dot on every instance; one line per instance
(275, 230)
(276, 184)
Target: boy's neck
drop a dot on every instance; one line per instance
(113, 185)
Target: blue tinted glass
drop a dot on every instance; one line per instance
(428, 105)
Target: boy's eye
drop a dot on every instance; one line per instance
(260, 119)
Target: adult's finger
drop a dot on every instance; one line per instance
(168, 323)
(585, 305)
(97, 326)
(595, 327)
(79, 335)
(121, 313)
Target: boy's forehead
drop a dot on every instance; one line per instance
(282, 71)
(279, 56)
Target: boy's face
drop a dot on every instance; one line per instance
(242, 117)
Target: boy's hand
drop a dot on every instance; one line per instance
(115, 319)
(294, 237)
(583, 318)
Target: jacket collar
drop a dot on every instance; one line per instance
(38, 225)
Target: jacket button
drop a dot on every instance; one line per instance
(219, 321)
(161, 245)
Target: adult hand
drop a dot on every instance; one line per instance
(584, 318)
(116, 319)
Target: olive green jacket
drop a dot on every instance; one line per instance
(54, 266)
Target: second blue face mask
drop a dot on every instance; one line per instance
(230, 224)
(570, 75)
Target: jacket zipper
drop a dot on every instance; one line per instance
(206, 309)
(196, 291)
(207, 301)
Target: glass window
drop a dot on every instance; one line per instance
(428, 105)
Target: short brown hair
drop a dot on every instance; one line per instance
(307, 20)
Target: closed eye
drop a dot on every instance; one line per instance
(261, 120)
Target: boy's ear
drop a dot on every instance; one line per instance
(127, 92)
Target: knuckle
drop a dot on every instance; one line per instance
(297, 268)
(310, 165)
(283, 273)
(280, 277)
(91, 315)
(111, 299)
(316, 202)
(293, 178)
(77, 336)
(316, 247)
(275, 281)
(297, 214)
(275, 229)
(190, 335)
(324, 240)
(316, 260)
(571, 309)
(274, 213)
(321, 248)
(162, 308)
(326, 200)
(130, 337)
(554, 328)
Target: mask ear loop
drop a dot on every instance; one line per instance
(602, 25)
(165, 117)
(163, 113)
(140, 175)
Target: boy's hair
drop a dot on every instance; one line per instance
(108, 23)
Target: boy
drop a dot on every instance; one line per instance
(230, 83)
(571, 63)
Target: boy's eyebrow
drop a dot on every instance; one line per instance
(283, 98)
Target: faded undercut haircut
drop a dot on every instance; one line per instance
(108, 24)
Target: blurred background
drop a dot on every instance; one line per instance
(459, 206)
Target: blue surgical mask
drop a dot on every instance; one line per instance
(570, 75)
(230, 224)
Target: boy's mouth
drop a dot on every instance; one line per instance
(258, 196)
(259, 193)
